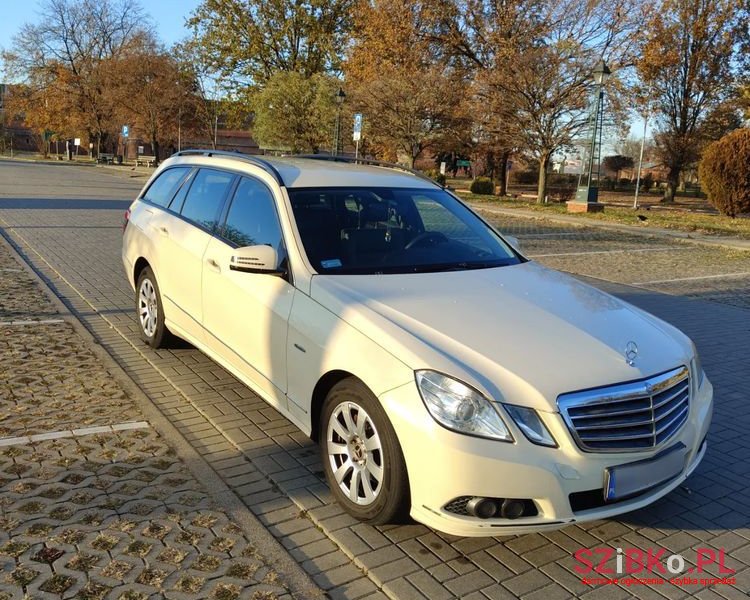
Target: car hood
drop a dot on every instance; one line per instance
(521, 334)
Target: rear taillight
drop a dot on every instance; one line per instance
(125, 220)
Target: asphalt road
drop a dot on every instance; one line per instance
(66, 221)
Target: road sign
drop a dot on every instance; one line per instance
(463, 163)
(357, 127)
(77, 142)
(125, 131)
(442, 168)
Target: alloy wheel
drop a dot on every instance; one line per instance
(148, 311)
(355, 453)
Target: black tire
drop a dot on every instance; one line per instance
(390, 502)
(159, 335)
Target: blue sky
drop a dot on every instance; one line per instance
(168, 17)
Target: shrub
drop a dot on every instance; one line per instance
(482, 185)
(561, 179)
(436, 175)
(724, 172)
(561, 193)
(529, 177)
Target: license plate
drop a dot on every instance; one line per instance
(635, 478)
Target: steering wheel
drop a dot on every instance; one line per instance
(433, 236)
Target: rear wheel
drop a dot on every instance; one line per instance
(361, 455)
(149, 309)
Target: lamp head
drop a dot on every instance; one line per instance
(601, 72)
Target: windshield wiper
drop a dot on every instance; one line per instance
(460, 266)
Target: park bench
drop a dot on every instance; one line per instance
(105, 159)
(146, 161)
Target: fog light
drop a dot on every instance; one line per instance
(512, 509)
(483, 508)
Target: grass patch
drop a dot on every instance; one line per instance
(14, 549)
(138, 548)
(105, 542)
(241, 571)
(189, 585)
(83, 562)
(206, 563)
(666, 218)
(226, 591)
(152, 577)
(117, 569)
(57, 584)
(93, 590)
(23, 576)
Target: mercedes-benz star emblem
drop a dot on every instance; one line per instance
(631, 352)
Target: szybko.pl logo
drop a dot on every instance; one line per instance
(650, 566)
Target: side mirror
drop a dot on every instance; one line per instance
(513, 241)
(255, 259)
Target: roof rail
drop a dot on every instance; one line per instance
(367, 161)
(250, 158)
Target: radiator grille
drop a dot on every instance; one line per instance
(629, 417)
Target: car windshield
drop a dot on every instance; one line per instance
(387, 230)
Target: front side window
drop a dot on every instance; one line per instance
(162, 190)
(384, 230)
(252, 219)
(206, 195)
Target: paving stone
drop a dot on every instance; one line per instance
(97, 505)
(526, 582)
(470, 582)
(715, 507)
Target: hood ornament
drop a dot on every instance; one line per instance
(631, 353)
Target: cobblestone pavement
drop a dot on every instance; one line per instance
(276, 471)
(93, 502)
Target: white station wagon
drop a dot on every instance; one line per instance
(443, 375)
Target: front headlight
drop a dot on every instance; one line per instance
(460, 408)
(531, 425)
(697, 369)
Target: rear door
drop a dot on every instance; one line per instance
(184, 236)
(149, 215)
(245, 315)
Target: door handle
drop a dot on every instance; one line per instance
(164, 231)
(213, 265)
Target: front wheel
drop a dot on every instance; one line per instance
(149, 308)
(361, 455)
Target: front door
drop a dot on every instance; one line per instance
(245, 315)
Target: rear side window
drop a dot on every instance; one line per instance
(162, 190)
(206, 196)
(252, 216)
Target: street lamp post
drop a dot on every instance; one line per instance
(587, 196)
(340, 95)
(640, 162)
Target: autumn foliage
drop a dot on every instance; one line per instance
(725, 173)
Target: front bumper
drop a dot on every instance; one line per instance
(443, 465)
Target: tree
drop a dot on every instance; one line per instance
(150, 91)
(535, 58)
(247, 41)
(65, 50)
(295, 112)
(725, 173)
(688, 61)
(617, 163)
(40, 108)
(398, 79)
